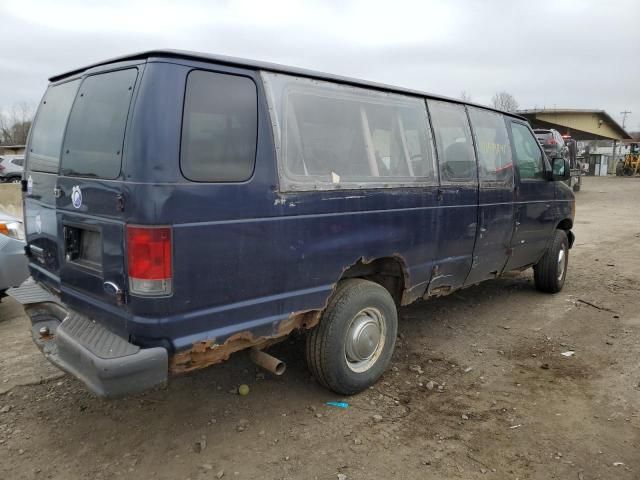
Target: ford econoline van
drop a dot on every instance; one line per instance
(180, 207)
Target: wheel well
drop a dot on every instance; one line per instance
(390, 272)
(566, 225)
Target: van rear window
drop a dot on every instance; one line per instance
(48, 129)
(95, 134)
(219, 127)
(336, 136)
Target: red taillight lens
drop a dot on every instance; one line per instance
(551, 141)
(149, 255)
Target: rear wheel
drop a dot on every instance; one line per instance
(550, 272)
(352, 345)
(15, 180)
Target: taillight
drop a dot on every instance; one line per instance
(551, 141)
(149, 255)
(1, 168)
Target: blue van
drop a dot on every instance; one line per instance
(180, 207)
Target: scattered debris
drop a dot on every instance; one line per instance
(242, 425)
(377, 418)
(618, 464)
(342, 476)
(243, 390)
(220, 474)
(595, 306)
(416, 368)
(545, 366)
(515, 426)
(343, 405)
(5, 409)
(431, 385)
(200, 445)
(465, 416)
(568, 353)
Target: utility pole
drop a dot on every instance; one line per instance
(624, 117)
(624, 120)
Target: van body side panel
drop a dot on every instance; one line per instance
(254, 271)
(493, 239)
(457, 225)
(535, 215)
(152, 150)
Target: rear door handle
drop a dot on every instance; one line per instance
(57, 192)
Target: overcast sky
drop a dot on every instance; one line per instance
(556, 53)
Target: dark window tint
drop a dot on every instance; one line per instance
(95, 135)
(18, 161)
(219, 127)
(528, 154)
(453, 142)
(48, 130)
(492, 146)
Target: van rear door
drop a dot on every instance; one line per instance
(90, 204)
(41, 177)
(88, 190)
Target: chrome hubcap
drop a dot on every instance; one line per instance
(365, 339)
(562, 261)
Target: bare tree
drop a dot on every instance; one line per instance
(504, 101)
(464, 96)
(15, 124)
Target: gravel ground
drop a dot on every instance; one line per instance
(478, 388)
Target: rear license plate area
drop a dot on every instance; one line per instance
(83, 247)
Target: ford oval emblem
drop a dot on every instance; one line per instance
(76, 196)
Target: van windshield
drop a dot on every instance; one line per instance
(95, 134)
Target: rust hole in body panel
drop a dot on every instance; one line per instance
(206, 353)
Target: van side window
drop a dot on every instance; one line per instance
(95, 134)
(492, 146)
(453, 142)
(528, 154)
(219, 127)
(47, 132)
(336, 136)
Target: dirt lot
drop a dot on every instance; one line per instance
(503, 402)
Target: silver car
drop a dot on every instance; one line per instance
(11, 168)
(13, 262)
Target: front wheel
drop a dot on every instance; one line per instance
(352, 345)
(551, 271)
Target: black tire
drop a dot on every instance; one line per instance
(551, 271)
(355, 301)
(576, 187)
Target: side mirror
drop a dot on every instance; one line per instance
(560, 169)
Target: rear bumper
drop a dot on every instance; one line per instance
(108, 364)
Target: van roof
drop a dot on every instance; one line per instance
(272, 67)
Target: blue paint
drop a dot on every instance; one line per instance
(245, 255)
